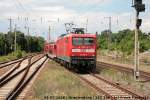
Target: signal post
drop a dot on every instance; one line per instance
(139, 7)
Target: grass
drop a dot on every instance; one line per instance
(124, 61)
(122, 77)
(13, 55)
(55, 81)
(125, 79)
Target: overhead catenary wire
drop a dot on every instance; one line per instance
(26, 18)
(94, 6)
(22, 7)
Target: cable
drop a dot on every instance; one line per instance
(22, 7)
(87, 10)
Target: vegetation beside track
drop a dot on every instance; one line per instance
(121, 48)
(54, 80)
(12, 56)
(123, 41)
(126, 62)
(24, 43)
(125, 79)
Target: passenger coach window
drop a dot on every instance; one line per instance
(77, 41)
(54, 46)
(88, 41)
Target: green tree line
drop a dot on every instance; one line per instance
(24, 43)
(123, 41)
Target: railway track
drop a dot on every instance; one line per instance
(10, 66)
(111, 90)
(5, 64)
(143, 74)
(14, 83)
(9, 61)
(128, 59)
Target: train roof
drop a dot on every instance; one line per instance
(81, 35)
(62, 35)
(77, 35)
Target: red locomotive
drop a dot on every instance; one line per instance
(75, 50)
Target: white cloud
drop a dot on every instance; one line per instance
(54, 9)
(146, 1)
(4, 4)
(91, 2)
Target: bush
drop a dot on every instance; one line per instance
(123, 41)
(19, 54)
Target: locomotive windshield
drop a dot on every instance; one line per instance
(88, 41)
(77, 41)
(82, 41)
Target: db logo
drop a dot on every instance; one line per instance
(83, 50)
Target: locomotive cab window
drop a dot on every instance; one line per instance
(77, 41)
(82, 41)
(88, 41)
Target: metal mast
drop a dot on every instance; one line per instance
(139, 7)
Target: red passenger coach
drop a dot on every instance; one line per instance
(77, 50)
(46, 47)
(50, 49)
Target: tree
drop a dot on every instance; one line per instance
(124, 41)
(35, 44)
(2, 44)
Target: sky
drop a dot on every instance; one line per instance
(93, 14)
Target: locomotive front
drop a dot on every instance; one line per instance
(83, 53)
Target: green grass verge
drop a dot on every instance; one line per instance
(125, 79)
(13, 55)
(128, 60)
(54, 80)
